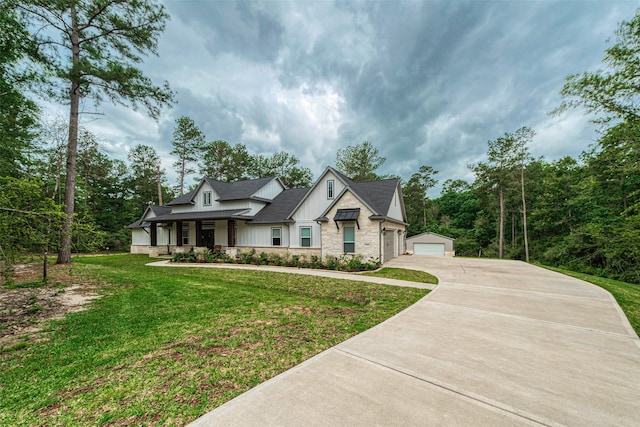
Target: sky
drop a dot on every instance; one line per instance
(427, 83)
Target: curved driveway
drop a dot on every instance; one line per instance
(497, 343)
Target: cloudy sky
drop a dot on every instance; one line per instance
(428, 83)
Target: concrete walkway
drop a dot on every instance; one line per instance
(497, 343)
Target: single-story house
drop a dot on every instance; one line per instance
(335, 216)
(431, 244)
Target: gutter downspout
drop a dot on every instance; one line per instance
(380, 241)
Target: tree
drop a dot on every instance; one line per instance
(188, 144)
(92, 49)
(506, 156)
(283, 165)
(18, 115)
(359, 162)
(224, 162)
(25, 220)
(425, 177)
(614, 92)
(145, 166)
(416, 201)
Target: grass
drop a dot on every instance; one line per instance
(166, 345)
(626, 294)
(404, 274)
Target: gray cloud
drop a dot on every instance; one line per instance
(426, 82)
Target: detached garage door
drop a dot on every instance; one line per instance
(435, 249)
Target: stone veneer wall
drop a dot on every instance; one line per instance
(367, 237)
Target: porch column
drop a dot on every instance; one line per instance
(179, 233)
(199, 240)
(154, 234)
(231, 235)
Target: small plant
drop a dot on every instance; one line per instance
(315, 262)
(201, 254)
(246, 257)
(332, 262)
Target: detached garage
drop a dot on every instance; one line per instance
(431, 244)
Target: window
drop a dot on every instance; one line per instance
(349, 240)
(330, 189)
(206, 198)
(276, 236)
(305, 237)
(185, 236)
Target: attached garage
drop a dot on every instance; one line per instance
(431, 244)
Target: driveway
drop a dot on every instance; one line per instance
(497, 343)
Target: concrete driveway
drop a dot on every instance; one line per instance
(497, 343)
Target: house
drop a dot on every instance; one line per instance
(431, 244)
(335, 216)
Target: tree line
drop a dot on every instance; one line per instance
(60, 192)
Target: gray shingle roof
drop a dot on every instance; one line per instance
(281, 208)
(226, 191)
(377, 194)
(239, 189)
(157, 211)
(185, 199)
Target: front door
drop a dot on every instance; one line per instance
(208, 238)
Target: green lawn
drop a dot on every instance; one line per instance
(627, 294)
(166, 345)
(404, 274)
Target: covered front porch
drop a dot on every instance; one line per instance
(174, 233)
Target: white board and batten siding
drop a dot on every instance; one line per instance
(316, 234)
(271, 190)
(316, 202)
(395, 208)
(259, 235)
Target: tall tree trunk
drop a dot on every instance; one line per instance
(513, 228)
(501, 238)
(524, 216)
(182, 176)
(159, 188)
(424, 212)
(64, 252)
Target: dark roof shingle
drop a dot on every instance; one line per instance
(281, 208)
(377, 194)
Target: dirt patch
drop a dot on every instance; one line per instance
(24, 310)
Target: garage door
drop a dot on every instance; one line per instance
(436, 249)
(388, 246)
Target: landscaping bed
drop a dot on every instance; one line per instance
(350, 263)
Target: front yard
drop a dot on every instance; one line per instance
(164, 346)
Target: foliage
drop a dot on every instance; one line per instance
(283, 165)
(224, 162)
(145, 171)
(350, 262)
(26, 221)
(359, 162)
(502, 173)
(416, 200)
(188, 142)
(92, 49)
(175, 343)
(18, 115)
(612, 93)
